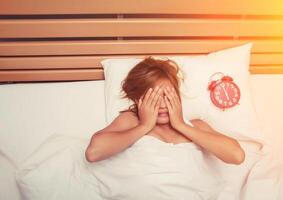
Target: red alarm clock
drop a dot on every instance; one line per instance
(224, 93)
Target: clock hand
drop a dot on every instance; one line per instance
(226, 94)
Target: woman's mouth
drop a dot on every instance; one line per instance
(163, 114)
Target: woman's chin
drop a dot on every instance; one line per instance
(162, 120)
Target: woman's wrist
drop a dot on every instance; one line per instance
(144, 129)
(185, 129)
(178, 125)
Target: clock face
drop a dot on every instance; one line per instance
(226, 94)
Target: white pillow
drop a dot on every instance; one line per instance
(115, 70)
(58, 170)
(240, 122)
(31, 112)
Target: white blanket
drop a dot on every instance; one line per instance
(154, 170)
(149, 170)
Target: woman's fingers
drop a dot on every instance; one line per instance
(139, 103)
(168, 104)
(158, 103)
(170, 96)
(152, 95)
(154, 98)
(176, 96)
(147, 95)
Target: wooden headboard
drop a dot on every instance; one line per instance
(66, 40)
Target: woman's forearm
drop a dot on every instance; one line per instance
(103, 145)
(225, 148)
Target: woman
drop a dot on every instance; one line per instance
(154, 87)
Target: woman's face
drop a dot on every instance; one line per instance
(163, 115)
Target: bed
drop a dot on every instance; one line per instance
(52, 79)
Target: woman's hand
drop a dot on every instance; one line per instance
(148, 107)
(174, 106)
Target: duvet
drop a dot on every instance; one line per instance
(150, 169)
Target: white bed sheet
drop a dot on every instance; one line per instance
(166, 171)
(22, 132)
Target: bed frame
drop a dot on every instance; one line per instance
(66, 40)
